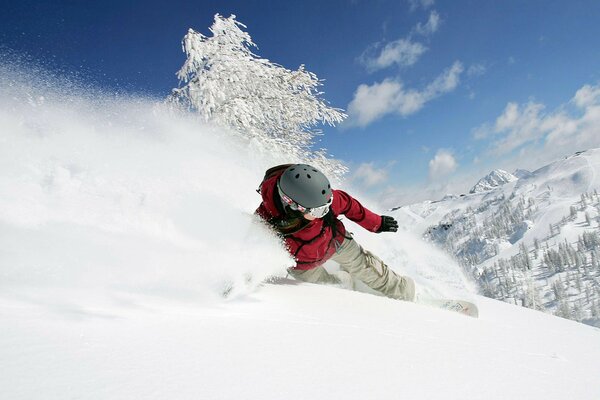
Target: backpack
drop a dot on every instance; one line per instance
(272, 172)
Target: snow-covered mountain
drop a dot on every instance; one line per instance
(532, 241)
(521, 173)
(494, 179)
(131, 268)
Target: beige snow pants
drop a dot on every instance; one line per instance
(363, 266)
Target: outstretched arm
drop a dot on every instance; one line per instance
(345, 204)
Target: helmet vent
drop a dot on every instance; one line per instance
(306, 185)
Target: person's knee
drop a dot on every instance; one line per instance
(375, 263)
(351, 258)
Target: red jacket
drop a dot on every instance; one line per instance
(314, 244)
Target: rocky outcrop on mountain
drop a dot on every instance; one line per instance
(494, 179)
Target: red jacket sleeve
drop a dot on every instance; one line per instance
(345, 204)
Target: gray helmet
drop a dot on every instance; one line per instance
(305, 185)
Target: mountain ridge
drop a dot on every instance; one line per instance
(506, 236)
(494, 179)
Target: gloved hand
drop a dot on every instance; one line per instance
(388, 224)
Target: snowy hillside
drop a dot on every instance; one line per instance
(532, 241)
(292, 341)
(131, 268)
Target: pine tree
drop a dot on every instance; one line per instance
(577, 313)
(594, 260)
(588, 219)
(583, 201)
(558, 289)
(573, 212)
(536, 245)
(525, 256)
(596, 310)
(563, 310)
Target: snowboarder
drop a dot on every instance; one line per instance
(298, 201)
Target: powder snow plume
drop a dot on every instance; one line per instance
(119, 197)
(108, 194)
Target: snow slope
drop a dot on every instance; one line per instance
(294, 341)
(131, 268)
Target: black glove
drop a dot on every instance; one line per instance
(388, 224)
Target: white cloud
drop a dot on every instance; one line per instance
(516, 126)
(446, 82)
(527, 126)
(369, 175)
(509, 117)
(587, 96)
(432, 25)
(372, 102)
(481, 132)
(476, 70)
(425, 4)
(390, 96)
(546, 136)
(520, 124)
(443, 164)
(402, 52)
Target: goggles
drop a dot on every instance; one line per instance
(317, 212)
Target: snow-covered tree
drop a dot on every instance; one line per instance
(536, 246)
(229, 85)
(573, 212)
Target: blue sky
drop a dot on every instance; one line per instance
(438, 93)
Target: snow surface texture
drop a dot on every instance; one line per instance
(132, 269)
(296, 341)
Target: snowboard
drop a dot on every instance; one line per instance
(458, 306)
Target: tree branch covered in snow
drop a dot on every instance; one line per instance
(229, 85)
